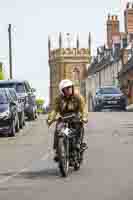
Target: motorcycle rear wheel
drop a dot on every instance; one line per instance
(77, 162)
(77, 166)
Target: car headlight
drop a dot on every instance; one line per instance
(100, 97)
(117, 98)
(5, 114)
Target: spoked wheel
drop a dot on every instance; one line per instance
(83, 146)
(63, 157)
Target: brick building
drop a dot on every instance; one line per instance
(128, 17)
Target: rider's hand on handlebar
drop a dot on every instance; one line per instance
(48, 123)
(84, 120)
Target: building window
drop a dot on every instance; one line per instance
(76, 73)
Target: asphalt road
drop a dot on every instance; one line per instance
(27, 170)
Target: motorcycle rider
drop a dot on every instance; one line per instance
(67, 101)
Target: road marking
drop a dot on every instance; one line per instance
(12, 176)
(45, 157)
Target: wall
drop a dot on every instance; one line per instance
(67, 64)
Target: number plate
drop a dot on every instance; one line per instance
(112, 102)
(66, 131)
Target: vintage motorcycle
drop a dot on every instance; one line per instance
(69, 149)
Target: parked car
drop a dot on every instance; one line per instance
(9, 121)
(109, 97)
(25, 93)
(20, 105)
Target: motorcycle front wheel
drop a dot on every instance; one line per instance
(63, 153)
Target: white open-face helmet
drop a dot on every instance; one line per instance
(63, 84)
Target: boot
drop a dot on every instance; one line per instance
(83, 146)
(56, 157)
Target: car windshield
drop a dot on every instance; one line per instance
(110, 91)
(19, 87)
(3, 98)
(6, 85)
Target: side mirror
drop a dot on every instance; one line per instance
(33, 89)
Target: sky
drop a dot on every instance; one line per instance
(33, 20)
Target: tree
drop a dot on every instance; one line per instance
(2, 76)
(40, 103)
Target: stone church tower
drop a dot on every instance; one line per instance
(67, 63)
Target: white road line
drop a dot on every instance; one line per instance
(12, 176)
(45, 157)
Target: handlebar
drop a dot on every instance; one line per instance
(68, 117)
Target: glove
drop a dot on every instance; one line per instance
(85, 120)
(49, 122)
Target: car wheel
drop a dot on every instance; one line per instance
(33, 117)
(12, 130)
(123, 108)
(36, 115)
(22, 120)
(17, 126)
(96, 109)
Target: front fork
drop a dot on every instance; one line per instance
(66, 144)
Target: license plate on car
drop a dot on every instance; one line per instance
(112, 102)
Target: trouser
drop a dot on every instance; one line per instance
(80, 133)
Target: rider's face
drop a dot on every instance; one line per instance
(68, 91)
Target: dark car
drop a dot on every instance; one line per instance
(20, 105)
(108, 98)
(9, 122)
(25, 93)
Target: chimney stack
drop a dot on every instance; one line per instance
(89, 42)
(49, 45)
(77, 45)
(112, 28)
(60, 40)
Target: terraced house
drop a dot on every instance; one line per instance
(113, 64)
(126, 74)
(103, 71)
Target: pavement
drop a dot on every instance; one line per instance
(27, 169)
